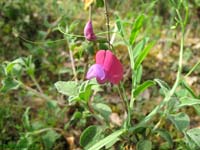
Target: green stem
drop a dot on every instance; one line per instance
(130, 107)
(90, 13)
(44, 130)
(35, 92)
(193, 68)
(36, 84)
(73, 64)
(178, 76)
(127, 106)
(107, 22)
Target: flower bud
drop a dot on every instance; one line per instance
(88, 32)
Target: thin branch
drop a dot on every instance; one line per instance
(41, 95)
(90, 13)
(36, 84)
(107, 21)
(73, 64)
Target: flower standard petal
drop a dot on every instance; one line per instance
(111, 65)
(100, 57)
(107, 63)
(113, 68)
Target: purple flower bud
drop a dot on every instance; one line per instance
(88, 32)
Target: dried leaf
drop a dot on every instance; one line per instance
(115, 119)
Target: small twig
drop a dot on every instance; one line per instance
(86, 65)
(114, 35)
(36, 84)
(38, 94)
(107, 21)
(90, 103)
(73, 65)
(90, 13)
(122, 97)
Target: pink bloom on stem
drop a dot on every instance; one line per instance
(88, 32)
(107, 68)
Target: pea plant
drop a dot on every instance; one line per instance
(90, 112)
(108, 69)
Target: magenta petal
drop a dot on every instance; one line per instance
(107, 68)
(111, 65)
(96, 71)
(88, 32)
(100, 56)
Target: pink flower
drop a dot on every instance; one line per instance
(107, 68)
(88, 32)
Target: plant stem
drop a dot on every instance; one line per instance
(107, 22)
(73, 65)
(90, 103)
(193, 68)
(90, 12)
(128, 119)
(123, 98)
(178, 76)
(36, 84)
(36, 92)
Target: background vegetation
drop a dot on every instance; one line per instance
(33, 114)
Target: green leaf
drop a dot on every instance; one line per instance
(11, 66)
(25, 119)
(74, 99)
(103, 109)
(187, 87)
(139, 47)
(194, 135)
(163, 85)
(144, 145)
(143, 54)
(109, 145)
(182, 93)
(9, 84)
(136, 28)
(197, 108)
(143, 87)
(105, 141)
(24, 142)
(29, 65)
(139, 74)
(38, 124)
(188, 101)
(52, 104)
(190, 144)
(49, 139)
(99, 3)
(85, 90)
(165, 135)
(119, 26)
(180, 120)
(69, 88)
(89, 136)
